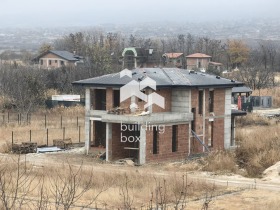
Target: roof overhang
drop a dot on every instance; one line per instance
(235, 113)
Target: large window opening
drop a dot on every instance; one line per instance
(200, 102)
(100, 99)
(174, 138)
(210, 134)
(116, 98)
(155, 141)
(211, 101)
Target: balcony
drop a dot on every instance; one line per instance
(153, 118)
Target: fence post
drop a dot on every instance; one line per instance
(47, 137)
(8, 117)
(29, 118)
(63, 133)
(3, 118)
(30, 136)
(61, 121)
(45, 121)
(18, 118)
(12, 138)
(79, 134)
(77, 121)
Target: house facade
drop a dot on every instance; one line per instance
(187, 113)
(136, 57)
(198, 61)
(56, 59)
(173, 60)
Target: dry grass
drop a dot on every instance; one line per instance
(258, 149)
(258, 140)
(117, 188)
(220, 162)
(253, 120)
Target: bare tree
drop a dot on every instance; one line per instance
(70, 185)
(127, 197)
(17, 182)
(254, 74)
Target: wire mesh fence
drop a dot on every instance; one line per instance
(41, 128)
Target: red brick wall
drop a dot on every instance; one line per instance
(193, 62)
(167, 94)
(165, 144)
(109, 98)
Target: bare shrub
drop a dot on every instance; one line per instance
(252, 119)
(17, 182)
(70, 184)
(258, 150)
(220, 161)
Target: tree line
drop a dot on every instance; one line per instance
(26, 86)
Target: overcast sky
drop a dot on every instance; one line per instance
(16, 13)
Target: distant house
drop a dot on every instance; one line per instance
(56, 59)
(173, 59)
(198, 61)
(215, 65)
(136, 57)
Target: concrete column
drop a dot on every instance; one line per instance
(108, 141)
(135, 62)
(150, 108)
(87, 133)
(88, 101)
(87, 120)
(142, 147)
(133, 100)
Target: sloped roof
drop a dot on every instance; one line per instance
(63, 54)
(198, 55)
(66, 55)
(164, 77)
(242, 89)
(215, 63)
(172, 55)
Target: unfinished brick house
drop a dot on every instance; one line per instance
(173, 60)
(196, 117)
(198, 61)
(56, 59)
(136, 57)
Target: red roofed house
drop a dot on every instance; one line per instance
(173, 59)
(198, 61)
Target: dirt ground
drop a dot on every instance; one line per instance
(247, 194)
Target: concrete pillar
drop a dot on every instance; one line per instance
(88, 101)
(109, 98)
(142, 147)
(150, 108)
(133, 101)
(108, 141)
(87, 120)
(135, 62)
(87, 133)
